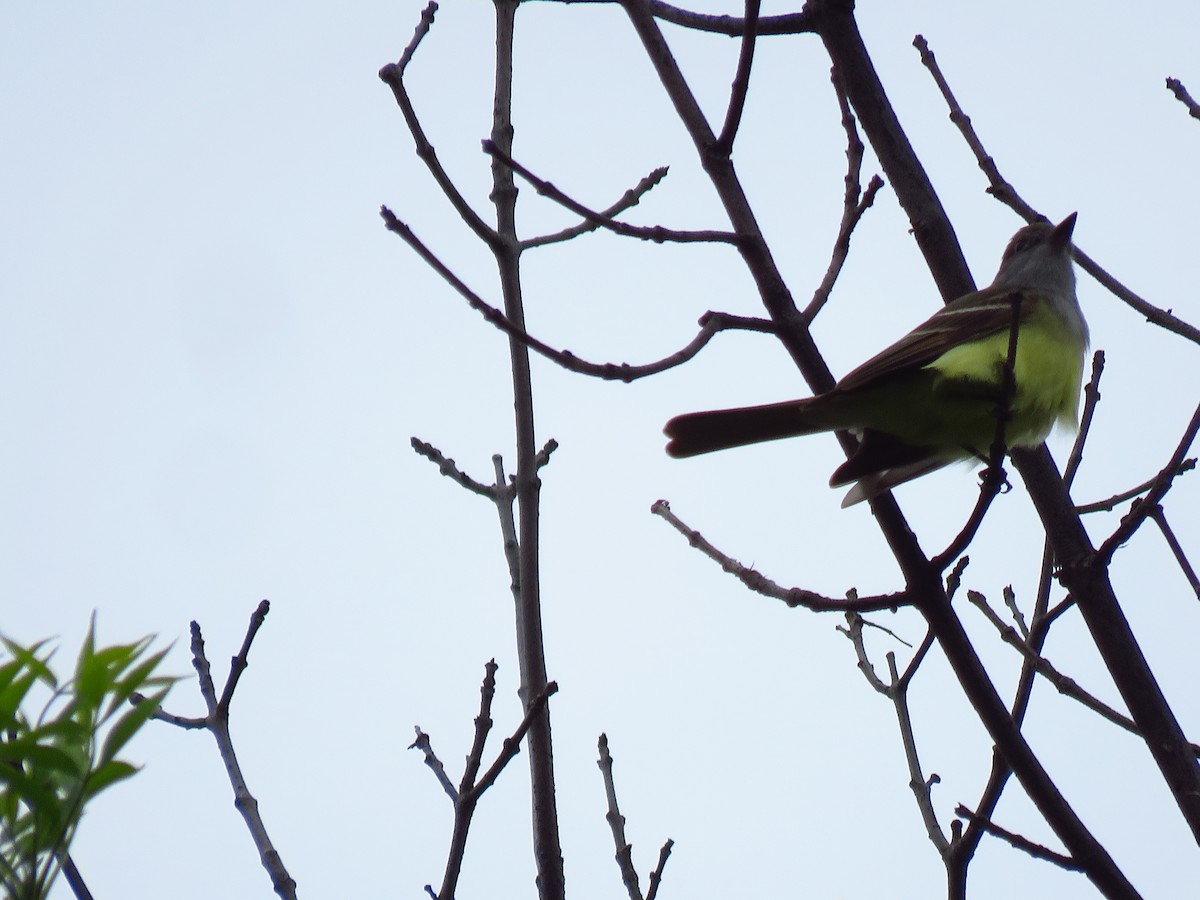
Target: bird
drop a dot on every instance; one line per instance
(933, 397)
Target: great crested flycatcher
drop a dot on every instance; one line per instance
(934, 396)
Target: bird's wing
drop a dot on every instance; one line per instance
(968, 318)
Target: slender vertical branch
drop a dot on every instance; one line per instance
(741, 82)
(527, 485)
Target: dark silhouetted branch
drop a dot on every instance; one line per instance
(654, 233)
(760, 584)
(1175, 86)
(1003, 191)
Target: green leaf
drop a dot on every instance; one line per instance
(139, 678)
(53, 763)
(38, 798)
(108, 775)
(30, 755)
(127, 726)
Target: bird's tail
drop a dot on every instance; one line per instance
(719, 429)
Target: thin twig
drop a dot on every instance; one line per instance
(854, 633)
(543, 456)
(1162, 483)
(512, 744)
(1160, 519)
(1110, 503)
(506, 499)
(1091, 397)
(451, 470)
(854, 203)
(616, 823)
(483, 726)
(217, 723)
(994, 478)
(75, 879)
(664, 854)
(1040, 623)
(422, 29)
(629, 199)
(921, 786)
(711, 324)
(393, 76)
(895, 637)
(760, 584)
(431, 759)
(913, 664)
(241, 660)
(1037, 851)
(1175, 86)
(896, 690)
(741, 82)
(655, 233)
(1064, 684)
(466, 797)
(1010, 600)
(188, 723)
(733, 26)
(1003, 191)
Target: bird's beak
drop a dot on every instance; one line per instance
(1061, 235)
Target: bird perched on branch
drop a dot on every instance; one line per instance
(935, 395)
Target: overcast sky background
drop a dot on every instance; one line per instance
(213, 358)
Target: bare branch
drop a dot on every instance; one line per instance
(543, 457)
(451, 470)
(512, 744)
(240, 661)
(655, 233)
(896, 690)
(419, 33)
(629, 199)
(915, 662)
(616, 822)
(712, 323)
(664, 854)
(1163, 318)
(217, 722)
(993, 478)
(999, 188)
(1037, 851)
(854, 203)
(431, 759)
(733, 26)
(75, 879)
(741, 81)
(505, 500)
(1064, 684)
(1175, 86)
(921, 786)
(1010, 600)
(393, 76)
(1162, 483)
(760, 584)
(1110, 503)
(1160, 519)
(466, 798)
(854, 633)
(483, 725)
(1091, 398)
